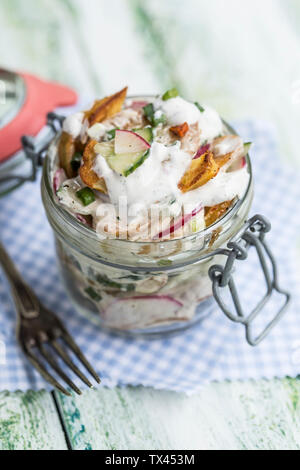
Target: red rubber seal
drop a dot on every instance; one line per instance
(41, 98)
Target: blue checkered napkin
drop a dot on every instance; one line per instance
(213, 350)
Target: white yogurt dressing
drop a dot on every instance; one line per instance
(152, 182)
(178, 111)
(73, 124)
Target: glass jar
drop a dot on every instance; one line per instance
(137, 288)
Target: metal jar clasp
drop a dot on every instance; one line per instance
(252, 234)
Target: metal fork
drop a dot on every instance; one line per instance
(40, 333)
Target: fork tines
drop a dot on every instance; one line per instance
(50, 360)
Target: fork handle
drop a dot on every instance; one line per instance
(26, 302)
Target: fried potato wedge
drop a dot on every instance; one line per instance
(87, 174)
(227, 149)
(66, 151)
(106, 108)
(213, 213)
(199, 173)
(180, 130)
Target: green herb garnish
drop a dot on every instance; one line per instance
(170, 94)
(86, 196)
(164, 262)
(150, 115)
(111, 134)
(93, 294)
(115, 285)
(201, 109)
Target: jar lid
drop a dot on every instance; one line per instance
(25, 101)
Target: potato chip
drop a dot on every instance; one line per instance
(227, 149)
(66, 151)
(199, 173)
(106, 108)
(213, 213)
(87, 174)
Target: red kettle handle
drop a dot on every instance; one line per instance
(41, 98)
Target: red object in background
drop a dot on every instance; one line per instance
(41, 98)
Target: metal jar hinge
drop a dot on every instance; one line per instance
(252, 234)
(36, 152)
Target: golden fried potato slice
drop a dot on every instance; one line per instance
(87, 174)
(213, 213)
(106, 108)
(227, 149)
(66, 151)
(223, 159)
(199, 173)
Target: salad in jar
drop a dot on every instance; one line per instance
(146, 171)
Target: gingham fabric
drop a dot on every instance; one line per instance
(212, 350)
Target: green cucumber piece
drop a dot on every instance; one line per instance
(146, 133)
(106, 149)
(247, 146)
(86, 196)
(127, 163)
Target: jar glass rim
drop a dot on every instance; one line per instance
(86, 231)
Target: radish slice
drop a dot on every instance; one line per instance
(142, 311)
(129, 142)
(83, 219)
(137, 105)
(59, 178)
(201, 151)
(179, 223)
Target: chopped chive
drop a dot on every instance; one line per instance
(76, 161)
(164, 262)
(86, 196)
(93, 294)
(115, 285)
(170, 94)
(161, 120)
(149, 112)
(111, 134)
(201, 109)
(150, 115)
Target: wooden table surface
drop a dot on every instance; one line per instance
(242, 58)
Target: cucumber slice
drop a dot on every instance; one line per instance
(106, 149)
(247, 146)
(146, 133)
(127, 163)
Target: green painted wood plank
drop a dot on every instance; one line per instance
(250, 415)
(29, 421)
